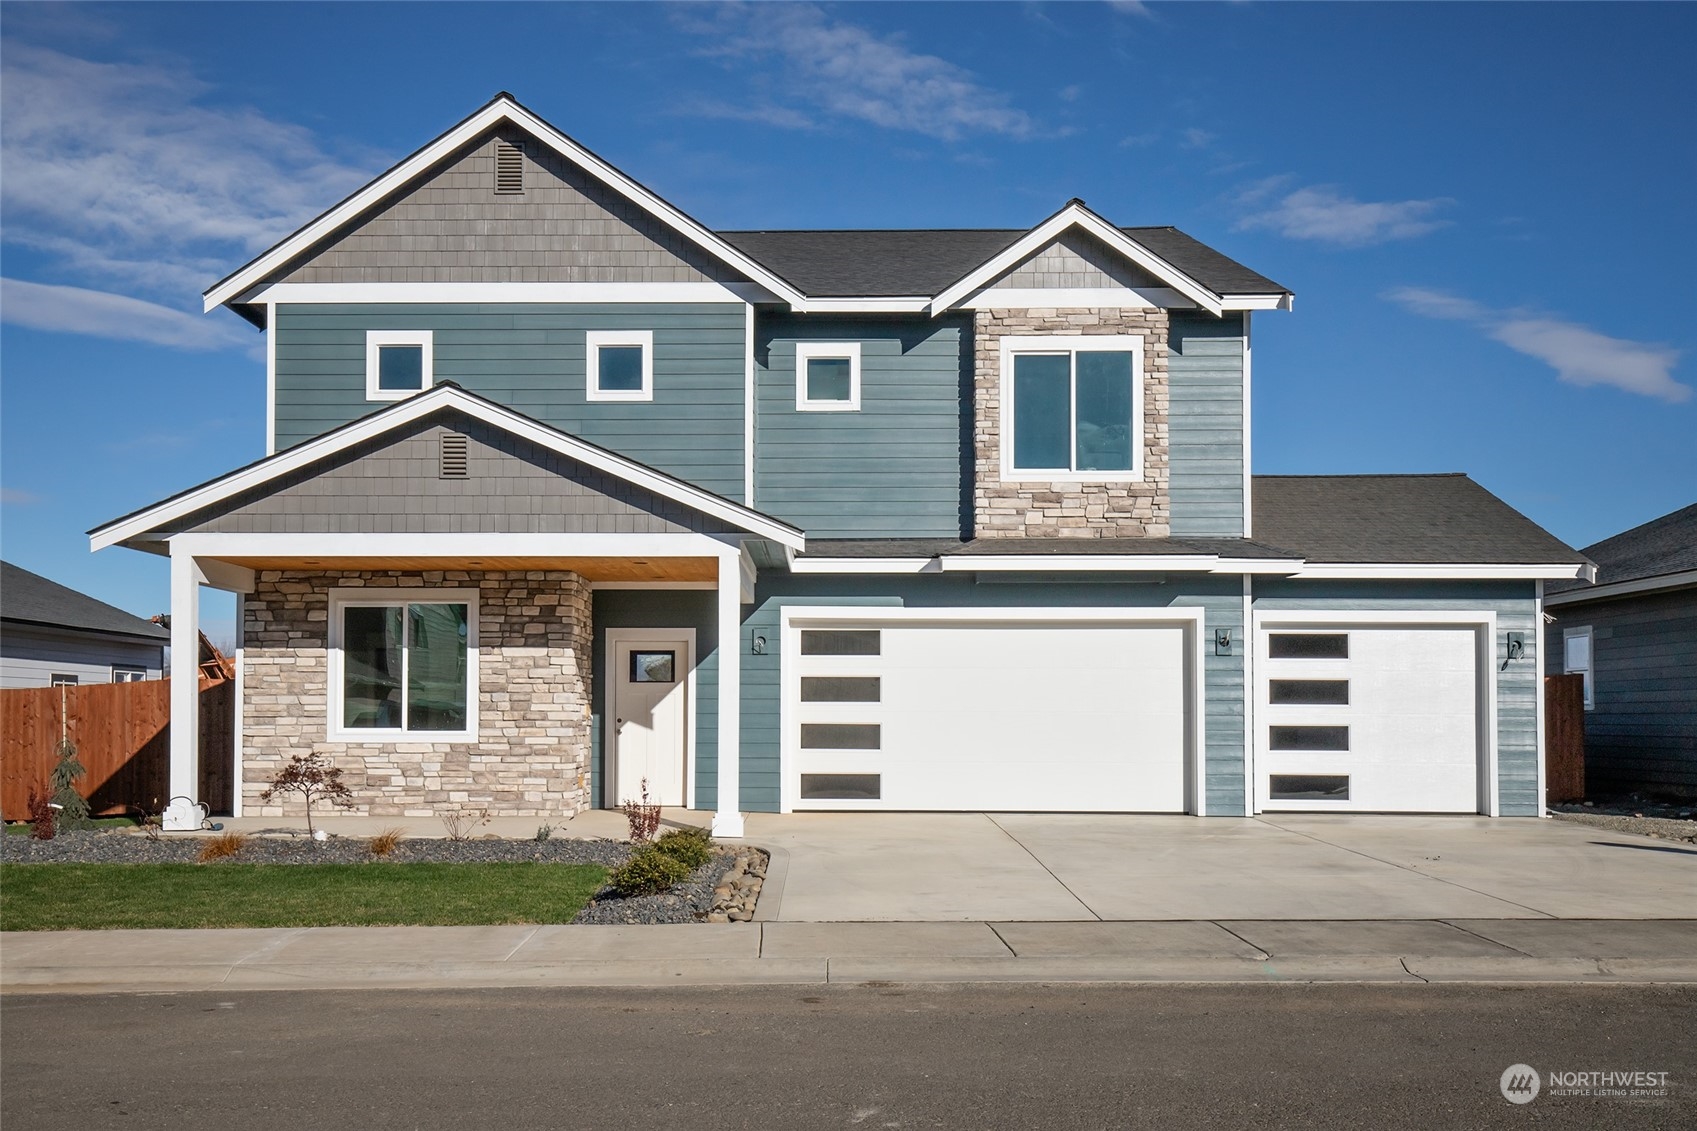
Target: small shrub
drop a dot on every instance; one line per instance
(42, 825)
(315, 779)
(460, 822)
(543, 832)
(221, 847)
(648, 872)
(67, 771)
(386, 841)
(690, 847)
(644, 817)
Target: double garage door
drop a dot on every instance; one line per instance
(1002, 715)
(1368, 718)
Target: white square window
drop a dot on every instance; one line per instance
(1072, 408)
(1576, 658)
(403, 665)
(827, 376)
(124, 674)
(398, 364)
(619, 365)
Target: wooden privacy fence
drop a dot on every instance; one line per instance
(122, 735)
(1564, 738)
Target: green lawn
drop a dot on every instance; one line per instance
(87, 897)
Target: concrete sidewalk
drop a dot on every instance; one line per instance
(1260, 951)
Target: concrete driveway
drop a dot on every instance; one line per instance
(1045, 867)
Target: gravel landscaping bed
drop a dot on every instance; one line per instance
(688, 902)
(1662, 820)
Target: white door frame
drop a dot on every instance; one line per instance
(609, 727)
(1484, 626)
(793, 617)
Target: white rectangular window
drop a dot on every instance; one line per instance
(121, 674)
(405, 665)
(60, 679)
(827, 376)
(1072, 407)
(1576, 658)
(620, 365)
(398, 363)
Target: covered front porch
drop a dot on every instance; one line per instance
(532, 637)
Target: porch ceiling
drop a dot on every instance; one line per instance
(592, 569)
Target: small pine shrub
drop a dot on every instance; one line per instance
(73, 807)
(543, 832)
(386, 841)
(690, 847)
(221, 847)
(648, 872)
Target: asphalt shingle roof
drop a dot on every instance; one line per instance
(1034, 547)
(889, 262)
(1413, 519)
(29, 597)
(1661, 546)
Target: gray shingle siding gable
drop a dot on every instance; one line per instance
(891, 469)
(391, 485)
(1076, 259)
(531, 357)
(1206, 430)
(451, 227)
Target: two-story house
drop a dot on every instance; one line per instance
(565, 492)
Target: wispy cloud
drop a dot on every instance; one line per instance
(17, 497)
(839, 69)
(1326, 214)
(77, 310)
(1132, 8)
(1194, 138)
(1578, 354)
(127, 177)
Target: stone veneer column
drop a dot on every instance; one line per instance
(531, 757)
(1068, 510)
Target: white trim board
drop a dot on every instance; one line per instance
(424, 293)
(1622, 589)
(1459, 571)
(503, 109)
(1192, 618)
(414, 408)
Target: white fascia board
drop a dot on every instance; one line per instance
(865, 565)
(405, 412)
(1041, 236)
(855, 614)
(1447, 571)
(678, 545)
(355, 293)
(501, 110)
(1623, 588)
(895, 304)
(1257, 302)
(1116, 563)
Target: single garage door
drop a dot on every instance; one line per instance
(1368, 718)
(993, 715)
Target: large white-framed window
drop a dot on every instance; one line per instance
(403, 665)
(620, 365)
(1577, 659)
(398, 363)
(827, 376)
(1072, 408)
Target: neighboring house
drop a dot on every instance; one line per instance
(51, 635)
(1633, 636)
(566, 493)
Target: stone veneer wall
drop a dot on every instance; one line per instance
(1068, 510)
(533, 677)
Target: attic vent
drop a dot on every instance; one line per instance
(509, 169)
(455, 462)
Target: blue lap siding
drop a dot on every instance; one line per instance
(1205, 425)
(530, 357)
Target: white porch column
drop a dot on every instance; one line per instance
(727, 820)
(183, 784)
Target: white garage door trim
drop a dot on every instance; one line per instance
(793, 618)
(1484, 626)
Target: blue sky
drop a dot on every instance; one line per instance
(1485, 211)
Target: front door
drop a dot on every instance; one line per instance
(650, 716)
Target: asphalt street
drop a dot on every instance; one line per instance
(870, 1057)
